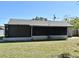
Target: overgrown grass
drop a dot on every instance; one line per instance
(40, 49)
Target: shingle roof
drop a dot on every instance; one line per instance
(38, 22)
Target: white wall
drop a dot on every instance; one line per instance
(49, 37)
(39, 37)
(18, 39)
(36, 38)
(1, 32)
(58, 36)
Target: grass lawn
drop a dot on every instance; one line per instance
(39, 49)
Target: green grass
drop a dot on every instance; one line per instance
(42, 49)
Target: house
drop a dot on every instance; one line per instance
(35, 29)
(2, 28)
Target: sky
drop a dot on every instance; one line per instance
(31, 9)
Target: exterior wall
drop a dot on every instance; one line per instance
(18, 39)
(58, 36)
(39, 37)
(17, 31)
(35, 38)
(1, 32)
(49, 37)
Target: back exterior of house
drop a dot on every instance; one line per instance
(36, 30)
(2, 28)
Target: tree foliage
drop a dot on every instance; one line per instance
(73, 21)
(39, 18)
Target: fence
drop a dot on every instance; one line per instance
(73, 32)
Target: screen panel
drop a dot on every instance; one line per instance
(18, 31)
(49, 31)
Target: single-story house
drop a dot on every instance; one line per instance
(36, 29)
(2, 28)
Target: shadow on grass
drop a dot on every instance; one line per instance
(48, 40)
(19, 41)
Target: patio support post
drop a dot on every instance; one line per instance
(31, 30)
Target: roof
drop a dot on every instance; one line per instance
(38, 22)
(2, 27)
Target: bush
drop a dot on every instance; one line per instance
(1, 37)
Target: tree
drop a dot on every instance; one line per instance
(73, 21)
(40, 18)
